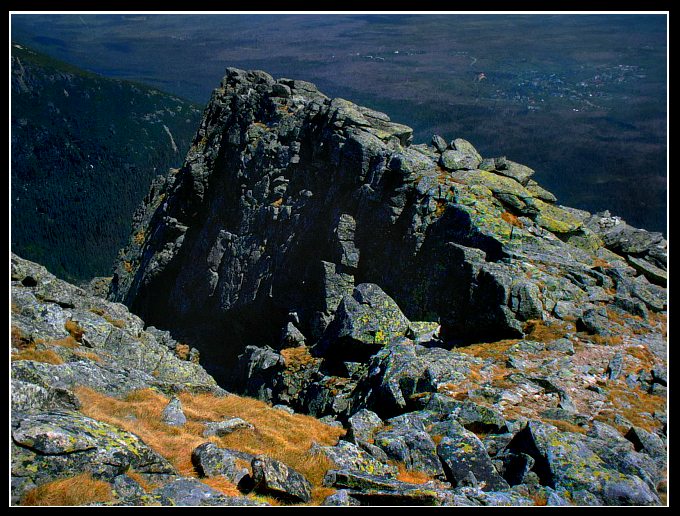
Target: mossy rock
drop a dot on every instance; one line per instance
(554, 219)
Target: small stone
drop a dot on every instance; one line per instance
(172, 413)
(226, 427)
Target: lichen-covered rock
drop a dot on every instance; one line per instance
(127, 357)
(462, 453)
(341, 498)
(362, 425)
(404, 369)
(349, 456)
(211, 461)
(27, 397)
(274, 478)
(472, 416)
(363, 324)
(53, 445)
(564, 459)
(406, 440)
(191, 492)
(290, 199)
(379, 490)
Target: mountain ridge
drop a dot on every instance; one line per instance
(76, 138)
(394, 324)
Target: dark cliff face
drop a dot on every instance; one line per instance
(288, 199)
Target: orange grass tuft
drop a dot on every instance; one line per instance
(222, 485)
(74, 329)
(599, 262)
(141, 480)
(182, 351)
(296, 358)
(483, 350)
(539, 331)
(411, 476)
(38, 355)
(565, 426)
(78, 490)
(512, 219)
(606, 340)
(67, 342)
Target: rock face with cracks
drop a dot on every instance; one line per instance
(288, 200)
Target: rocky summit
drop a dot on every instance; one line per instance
(469, 340)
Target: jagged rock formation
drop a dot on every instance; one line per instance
(101, 346)
(287, 200)
(439, 305)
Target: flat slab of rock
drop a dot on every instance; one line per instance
(192, 492)
(379, 490)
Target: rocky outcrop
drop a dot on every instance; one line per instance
(65, 339)
(288, 200)
(467, 330)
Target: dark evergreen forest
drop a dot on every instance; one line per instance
(84, 151)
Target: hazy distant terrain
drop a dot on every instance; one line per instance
(579, 98)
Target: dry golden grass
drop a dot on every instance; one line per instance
(437, 439)
(78, 490)
(139, 237)
(38, 355)
(182, 351)
(282, 436)
(539, 331)
(222, 485)
(296, 358)
(141, 480)
(512, 219)
(66, 342)
(642, 354)
(539, 498)
(634, 405)
(88, 355)
(18, 339)
(660, 321)
(441, 208)
(565, 426)
(411, 476)
(599, 262)
(118, 323)
(483, 350)
(74, 329)
(606, 340)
